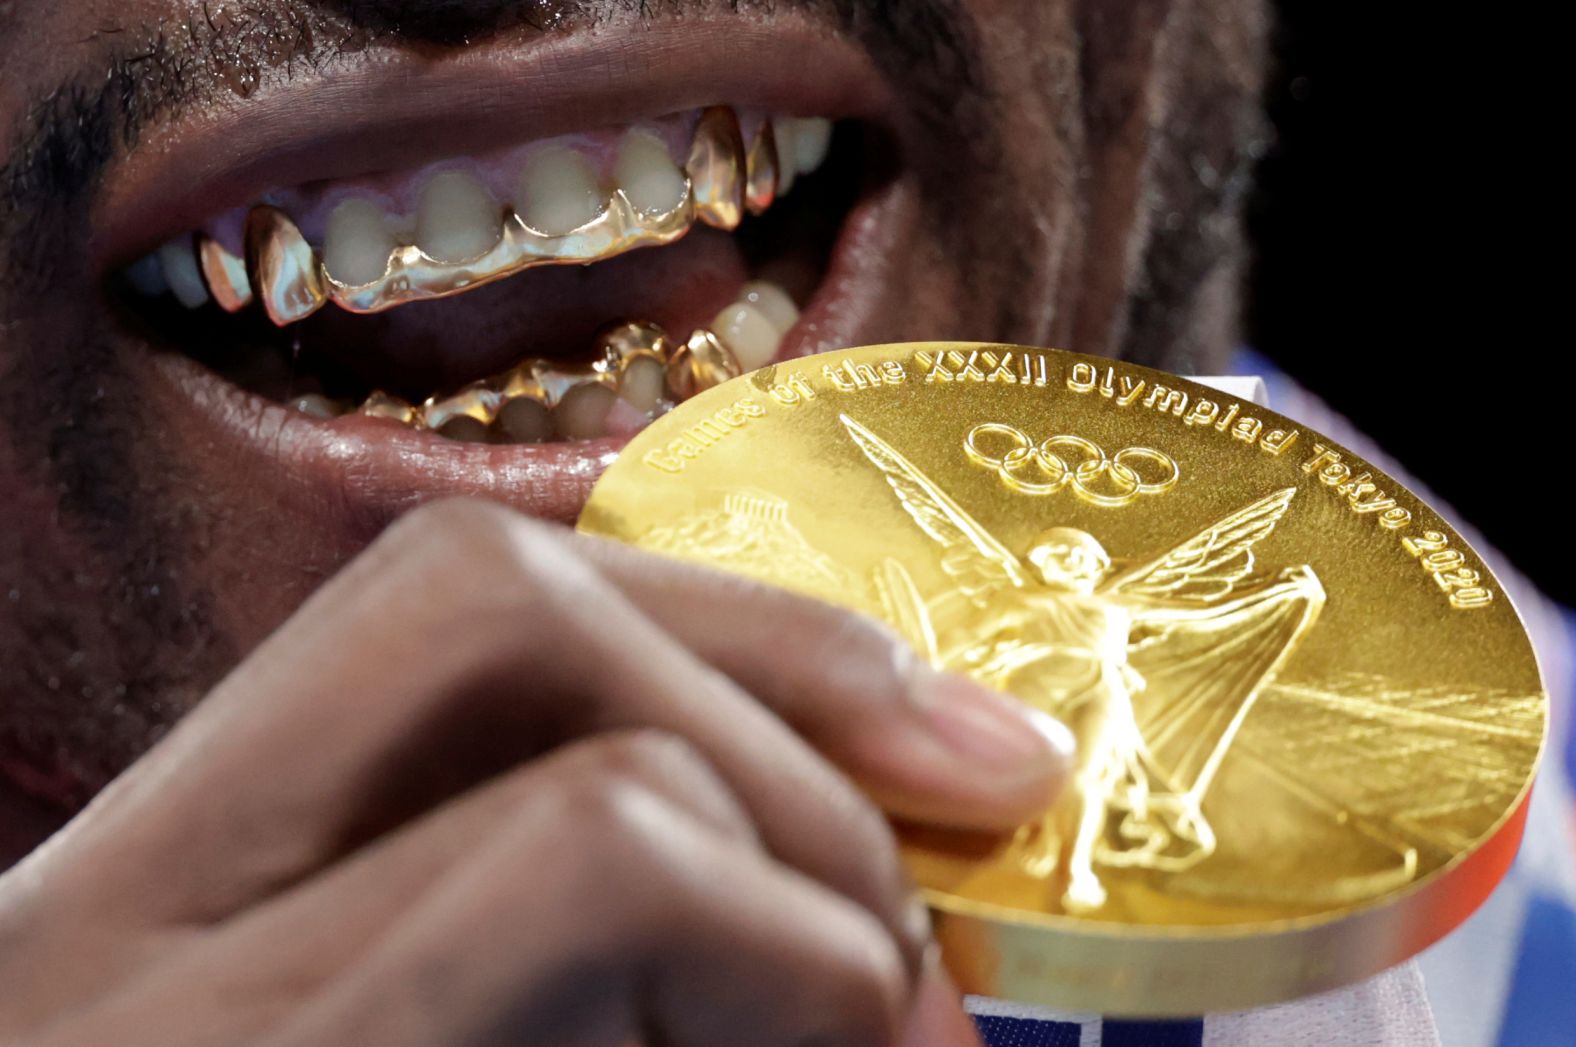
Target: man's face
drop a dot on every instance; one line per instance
(1039, 171)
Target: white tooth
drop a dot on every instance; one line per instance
(745, 329)
(458, 220)
(559, 192)
(582, 414)
(146, 276)
(178, 259)
(641, 383)
(646, 172)
(358, 242)
(772, 302)
(812, 140)
(785, 131)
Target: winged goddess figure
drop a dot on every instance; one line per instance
(1153, 668)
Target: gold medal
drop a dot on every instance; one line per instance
(1307, 715)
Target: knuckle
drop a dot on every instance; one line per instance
(605, 789)
(437, 525)
(479, 534)
(865, 654)
(857, 639)
(469, 556)
(869, 829)
(622, 768)
(645, 754)
(447, 539)
(872, 991)
(615, 846)
(863, 984)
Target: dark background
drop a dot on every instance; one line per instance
(1409, 239)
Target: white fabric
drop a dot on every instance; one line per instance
(1388, 1011)
(1248, 387)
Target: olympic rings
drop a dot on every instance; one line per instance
(1071, 461)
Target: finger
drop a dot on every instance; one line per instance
(323, 925)
(252, 974)
(937, 1018)
(645, 921)
(929, 746)
(461, 644)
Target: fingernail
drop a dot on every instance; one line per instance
(981, 724)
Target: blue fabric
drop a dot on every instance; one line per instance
(1152, 1034)
(1021, 1032)
(1541, 1010)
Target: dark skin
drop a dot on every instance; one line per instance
(1071, 176)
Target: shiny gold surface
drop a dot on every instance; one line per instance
(716, 169)
(390, 407)
(634, 362)
(414, 276)
(630, 341)
(762, 170)
(1307, 716)
(285, 273)
(225, 275)
(723, 179)
(701, 363)
(477, 402)
(558, 378)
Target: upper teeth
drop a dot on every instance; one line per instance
(226, 275)
(716, 176)
(558, 192)
(178, 259)
(358, 242)
(462, 235)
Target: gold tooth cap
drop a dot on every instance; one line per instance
(699, 364)
(630, 341)
(225, 275)
(762, 170)
(478, 401)
(412, 276)
(520, 382)
(283, 267)
(386, 405)
(557, 379)
(716, 169)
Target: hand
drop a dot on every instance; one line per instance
(499, 784)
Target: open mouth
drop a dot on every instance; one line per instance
(481, 273)
(562, 289)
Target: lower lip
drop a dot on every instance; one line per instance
(372, 470)
(377, 469)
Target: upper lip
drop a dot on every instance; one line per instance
(390, 110)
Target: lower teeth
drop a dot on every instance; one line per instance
(536, 401)
(636, 375)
